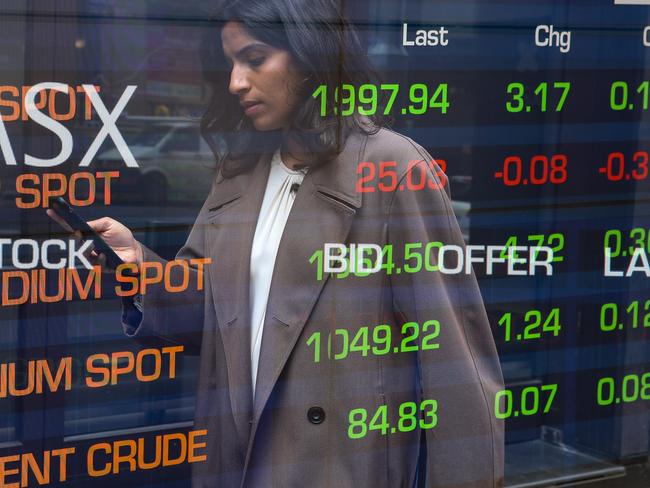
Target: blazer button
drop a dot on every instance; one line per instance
(316, 415)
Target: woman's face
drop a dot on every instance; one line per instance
(263, 77)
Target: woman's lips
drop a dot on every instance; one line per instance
(253, 108)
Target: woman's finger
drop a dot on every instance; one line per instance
(100, 225)
(78, 238)
(90, 253)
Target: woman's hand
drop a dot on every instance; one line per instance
(116, 235)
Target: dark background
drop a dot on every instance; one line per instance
(154, 45)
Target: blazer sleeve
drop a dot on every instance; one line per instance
(176, 317)
(465, 448)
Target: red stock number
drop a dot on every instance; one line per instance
(621, 168)
(539, 170)
(384, 177)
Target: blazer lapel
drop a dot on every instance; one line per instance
(231, 222)
(323, 211)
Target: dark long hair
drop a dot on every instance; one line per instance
(324, 47)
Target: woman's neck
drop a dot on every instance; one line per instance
(292, 155)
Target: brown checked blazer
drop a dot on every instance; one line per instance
(294, 432)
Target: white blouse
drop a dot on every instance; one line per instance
(276, 205)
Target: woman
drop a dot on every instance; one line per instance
(298, 384)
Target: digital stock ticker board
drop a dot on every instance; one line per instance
(330, 243)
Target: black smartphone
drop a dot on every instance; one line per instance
(67, 213)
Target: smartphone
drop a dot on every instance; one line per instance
(66, 212)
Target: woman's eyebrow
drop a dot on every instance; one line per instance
(255, 45)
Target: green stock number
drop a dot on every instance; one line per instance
(620, 98)
(377, 340)
(369, 99)
(411, 416)
(555, 241)
(610, 313)
(624, 243)
(523, 101)
(527, 402)
(630, 388)
(535, 324)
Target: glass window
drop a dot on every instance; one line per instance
(182, 140)
(528, 125)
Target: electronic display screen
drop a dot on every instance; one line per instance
(380, 243)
